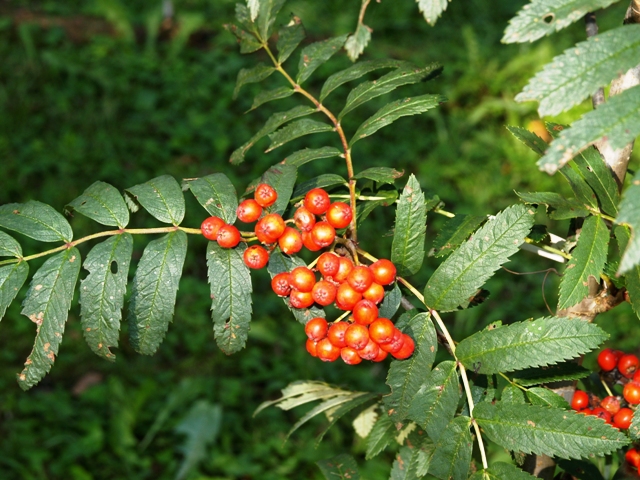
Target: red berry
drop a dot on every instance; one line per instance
(280, 284)
(580, 400)
(269, 228)
(327, 351)
(290, 241)
(265, 195)
(365, 312)
(601, 413)
(210, 227)
(384, 271)
(356, 336)
(303, 279)
(304, 219)
(381, 355)
(395, 344)
(249, 211)
(316, 329)
(610, 404)
(628, 364)
(347, 297)
(324, 293)
(631, 393)
(312, 347)
(607, 360)
(323, 234)
(299, 299)
(370, 351)
(633, 457)
(255, 257)
(408, 346)
(307, 241)
(317, 201)
(623, 418)
(350, 356)
(360, 278)
(374, 293)
(228, 236)
(339, 215)
(346, 265)
(328, 264)
(382, 330)
(336, 334)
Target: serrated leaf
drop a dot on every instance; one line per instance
(9, 247)
(282, 178)
(289, 37)
(216, 194)
(436, 401)
(47, 305)
(391, 302)
(301, 392)
(267, 16)
(321, 181)
(36, 220)
(550, 373)
(528, 138)
(102, 293)
(547, 398)
(547, 431)
(455, 231)
(404, 75)
(405, 465)
(543, 17)
(458, 278)
(314, 55)
(380, 174)
(581, 189)
(527, 344)
(364, 422)
(103, 203)
(230, 283)
(161, 197)
(252, 75)
(634, 428)
(254, 8)
(270, 95)
(407, 249)
(406, 376)
(632, 275)
(344, 409)
(296, 129)
(154, 290)
(630, 216)
(340, 467)
(382, 434)
(432, 9)
(512, 394)
(364, 209)
(563, 208)
(357, 42)
(452, 456)
(309, 154)
(354, 72)
(588, 258)
(582, 69)
(12, 277)
(593, 169)
(581, 469)
(248, 42)
(501, 471)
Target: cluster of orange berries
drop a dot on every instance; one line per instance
(350, 287)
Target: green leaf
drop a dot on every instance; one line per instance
(581, 469)
(543, 17)
(217, 195)
(512, 394)
(252, 75)
(458, 278)
(547, 431)
(550, 373)
(406, 376)
(393, 111)
(634, 428)
(617, 120)
(630, 216)
(267, 16)
(380, 174)
(344, 409)
(455, 232)
(314, 55)
(436, 401)
(36, 220)
(254, 8)
(248, 42)
(357, 42)
(404, 75)
(354, 72)
(231, 289)
(270, 95)
(302, 392)
(593, 169)
(12, 277)
(407, 249)
(382, 434)
(432, 9)
(582, 69)
(340, 467)
(309, 154)
(389, 197)
(321, 181)
(282, 178)
(391, 302)
(161, 197)
(103, 203)
(563, 208)
(289, 37)
(501, 471)
(527, 344)
(102, 293)
(581, 189)
(588, 258)
(530, 139)
(632, 275)
(154, 289)
(406, 464)
(452, 457)
(9, 247)
(47, 305)
(296, 129)
(546, 398)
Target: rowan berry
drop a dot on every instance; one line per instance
(365, 312)
(336, 334)
(269, 228)
(611, 404)
(312, 347)
(228, 236)
(628, 364)
(323, 234)
(316, 329)
(265, 195)
(622, 419)
(302, 278)
(360, 278)
(255, 257)
(382, 330)
(633, 457)
(307, 241)
(317, 201)
(249, 211)
(328, 264)
(304, 219)
(339, 215)
(290, 241)
(324, 292)
(395, 344)
(347, 297)
(607, 360)
(384, 271)
(299, 299)
(601, 413)
(631, 393)
(580, 400)
(407, 349)
(280, 284)
(327, 351)
(381, 355)
(374, 293)
(356, 336)
(350, 356)
(370, 351)
(346, 265)
(210, 227)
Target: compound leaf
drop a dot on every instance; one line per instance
(230, 283)
(309, 154)
(12, 277)
(217, 195)
(340, 467)
(588, 258)
(103, 203)
(501, 471)
(454, 232)
(547, 431)
(528, 138)
(357, 42)
(582, 69)
(36, 220)
(458, 278)
(407, 249)
(282, 178)
(314, 55)
(546, 398)
(9, 247)
(252, 75)
(452, 456)
(47, 304)
(630, 216)
(296, 129)
(354, 72)
(102, 293)
(550, 373)
(382, 434)
(543, 17)
(161, 197)
(432, 9)
(289, 37)
(380, 174)
(154, 289)
(270, 95)
(321, 181)
(527, 344)
(592, 168)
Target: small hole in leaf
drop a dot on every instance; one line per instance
(114, 267)
(548, 18)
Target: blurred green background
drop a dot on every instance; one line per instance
(100, 90)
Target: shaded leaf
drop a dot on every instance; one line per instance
(314, 55)
(581, 189)
(103, 203)
(340, 467)
(344, 409)
(452, 457)
(593, 169)
(530, 139)
(432, 9)
(9, 247)
(354, 72)
(154, 289)
(216, 194)
(357, 42)
(47, 305)
(282, 178)
(12, 277)
(630, 216)
(248, 43)
(380, 174)
(563, 208)
(296, 129)
(550, 373)
(267, 16)
(407, 249)
(36, 220)
(389, 197)
(458, 278)
(382, 434)
(632, 275)
(270, 95)
(309, 154)
(102, 293)
(289, 37)
(581, 469)
(527, 344)
(405, 464)
(501, 471)
(321, 181)
(161, 197)
(512, 394)
(546, 398)
(391, 302)
(252, 75)
(454, 232)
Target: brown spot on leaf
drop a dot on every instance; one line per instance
(530, 423)
(72, 259)
(37, 287)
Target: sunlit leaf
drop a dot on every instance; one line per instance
(36, 220)
(314, 55)
(364, 422)
(407, 249)
(161, 197)
(345, 408)
(357, 42)
(452, 456)
(432, 9)
(267, 16)
(103, 203)
(216, 194)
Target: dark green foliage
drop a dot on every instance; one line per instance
(9, 247)
(326, 180)
(590, 165)
(314, 55)
(629, 216)
(36, 220)
(407, 250)
(550, 373)
(289, 37)
(546, 398)
(391, 302)
(216, 194)
(103, 203)
(355, 72)
(340, 467)
(161, 197)
(452, 456)
(454, 232)
(12, 277)
(382, 434)
(309, 154)
(501, 471)
(380, 174)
